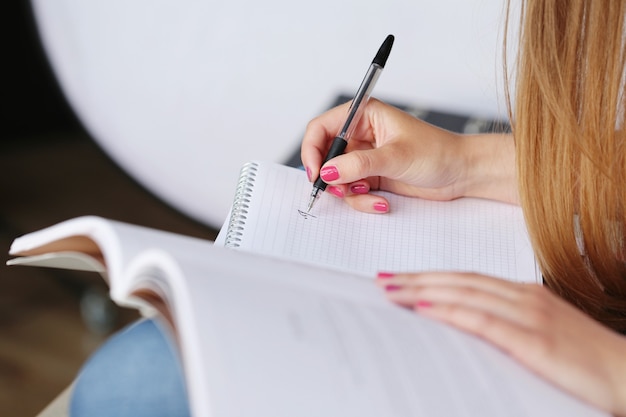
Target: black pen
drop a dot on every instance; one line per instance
(354, 113)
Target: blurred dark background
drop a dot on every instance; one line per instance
(51, 170)
(32, 102)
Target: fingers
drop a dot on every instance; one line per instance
(357, 196)
(413, 282)
(368, 203)
(318, 135)
(356, 188)
(451, 293)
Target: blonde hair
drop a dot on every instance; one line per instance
(568, 124)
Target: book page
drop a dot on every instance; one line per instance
(101, 245)
(268, 337)
(462, 235)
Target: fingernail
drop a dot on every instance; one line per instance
(329, 173)
(423, 304)
(385, 275)
(308, 173)
(359, 189)
(335, 191)
(381, 207)
(392, 287)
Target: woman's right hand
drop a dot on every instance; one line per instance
(393, 151)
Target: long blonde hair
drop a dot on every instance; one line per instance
(568, 124)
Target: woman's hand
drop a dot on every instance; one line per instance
(527, 321)
(393, 151)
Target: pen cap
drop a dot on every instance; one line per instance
(384, 51)
(365, 89)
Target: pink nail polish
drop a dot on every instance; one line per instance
(335, 191)
(424, 304)
(329, 173)
(392, 287)
(385, 275)
(381, 207)
(308, 173)
(359, 189)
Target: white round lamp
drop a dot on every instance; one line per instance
(180, 93)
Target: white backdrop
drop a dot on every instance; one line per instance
(182, 92)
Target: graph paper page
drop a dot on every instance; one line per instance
(471, 235)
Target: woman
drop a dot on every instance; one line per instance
(565, 164)
(569, 139)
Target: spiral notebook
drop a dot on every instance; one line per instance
(268, 216)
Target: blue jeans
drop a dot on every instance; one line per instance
(135, 373)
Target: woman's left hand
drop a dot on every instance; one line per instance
(530, 323)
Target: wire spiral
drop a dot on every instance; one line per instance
(241, 204)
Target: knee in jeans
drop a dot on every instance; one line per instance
(135, 373)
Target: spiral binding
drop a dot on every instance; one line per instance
(241, 204)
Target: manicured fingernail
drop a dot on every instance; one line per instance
(335, 191)
(385, 275)
(381, 207)
(329, 173)
(423, 304)
(392, 287)
(308, 173)
(359, 189)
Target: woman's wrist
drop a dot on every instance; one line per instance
(490, 170)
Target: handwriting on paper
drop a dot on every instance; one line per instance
(306, 215)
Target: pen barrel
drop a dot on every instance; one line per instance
(336, 148)
(360, 101)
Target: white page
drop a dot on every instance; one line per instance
(71, 244)
(463, 235)
(263, 337)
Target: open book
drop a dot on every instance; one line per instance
(268, 335)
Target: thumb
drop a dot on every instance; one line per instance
(359, 164)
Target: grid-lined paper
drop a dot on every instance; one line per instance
(462, 235)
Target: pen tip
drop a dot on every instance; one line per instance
(312, 199)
